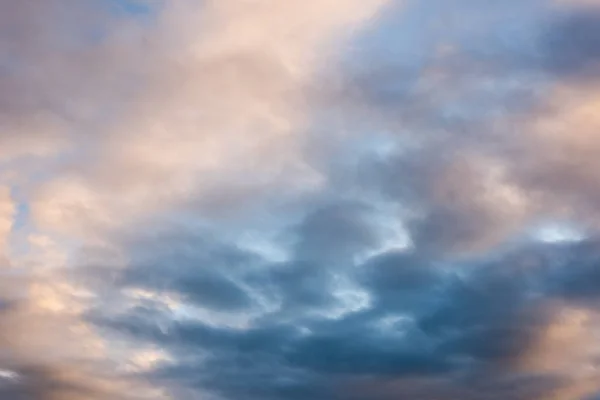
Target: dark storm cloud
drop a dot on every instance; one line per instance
(198, 280)
(471, 329)
(581, 282)
(334, 231)
(363, 353)
(401, 281)
(324, 244)
(480, 388)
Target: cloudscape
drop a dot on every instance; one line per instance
(299, 200)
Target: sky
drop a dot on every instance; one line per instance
(299, 199)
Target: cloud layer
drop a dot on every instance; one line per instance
(334, 199)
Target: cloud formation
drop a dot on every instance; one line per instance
(331, 199)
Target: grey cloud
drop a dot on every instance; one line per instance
(434, 327)
(219, 276)
(487, 388)
(350, 354)
(202, 270)
(302, 285)
(444, 100)
(572, 44)
(402, 281)
(56, 382)
(470, 329)
(335, 231)
(197, 282)
(324, 244)
(49, 52)
(479, 97)
(580, 282)
(39, 383)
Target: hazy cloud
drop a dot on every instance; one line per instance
(290, 200)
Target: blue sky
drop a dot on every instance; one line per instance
(333, 199)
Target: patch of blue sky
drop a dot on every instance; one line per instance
(133, 7)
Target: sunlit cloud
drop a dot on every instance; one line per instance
(335, 199)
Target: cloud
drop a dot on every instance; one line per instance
(49, 353)
(236, 104)
(572, 44)
(266, 200)
(7, 210)
(200, 271)
(497, 329)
